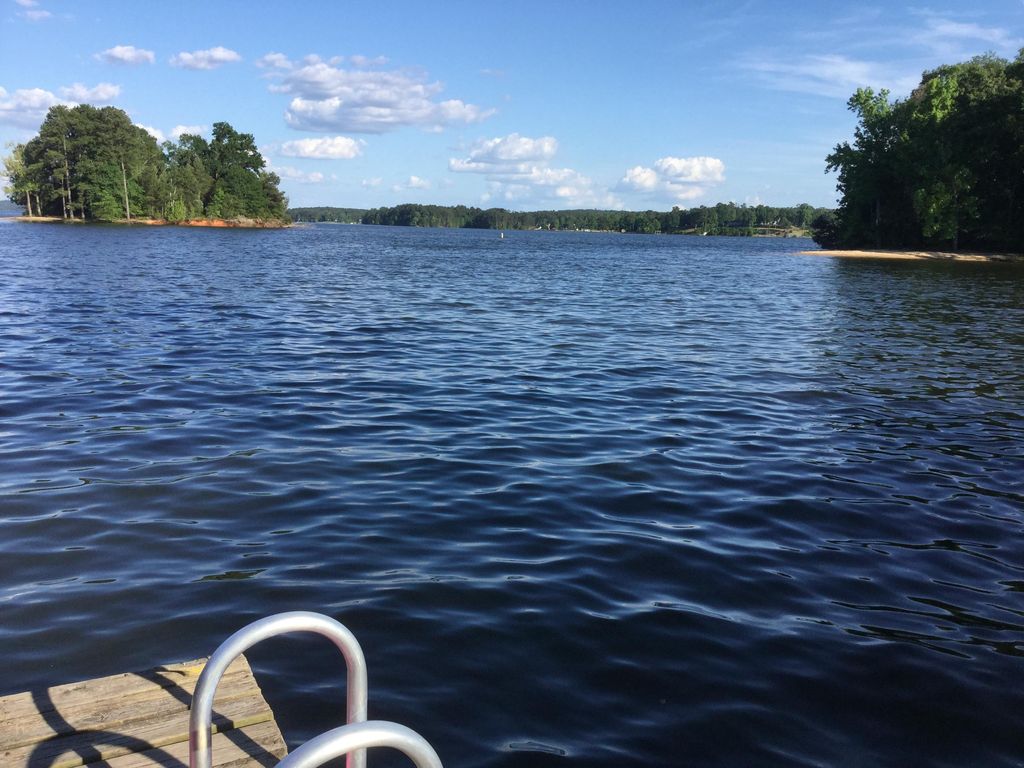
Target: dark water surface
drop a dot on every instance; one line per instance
(584, 499)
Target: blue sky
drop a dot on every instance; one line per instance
(524, 105)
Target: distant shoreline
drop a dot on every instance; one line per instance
(240, 223)
(917, 255)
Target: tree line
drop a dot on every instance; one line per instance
(720, 219)
(943, 168)
(88, 163)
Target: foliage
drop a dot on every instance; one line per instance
(825, 231)
(943, 167)
(90, 163)
(722, 219)
(326, 213)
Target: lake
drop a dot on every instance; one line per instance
(585, 499)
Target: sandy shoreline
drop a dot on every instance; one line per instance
(926, 255)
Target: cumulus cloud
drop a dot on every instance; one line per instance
(126, 54)
(372, 183)
(327, 97)
(193, 130)
(675, 178)
(101, 93)
(36, 14)
(328, 148)
(512, 154)
(640, 178)
(27, 107)
(156, 133)
(274, 61)
(211, 58)
(691, 169)
(518, 170)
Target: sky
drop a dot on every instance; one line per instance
(520, 104)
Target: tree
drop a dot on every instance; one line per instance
(943, 167)
(21, 182)
(824, 230)
(93, 163)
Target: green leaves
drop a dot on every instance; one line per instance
(95, 164)
(942, 168)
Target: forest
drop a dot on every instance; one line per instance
(943, 168)
(92, 164)
(720, 219)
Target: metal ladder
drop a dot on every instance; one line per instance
(352, 739)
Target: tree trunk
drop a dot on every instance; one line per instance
(28, 202)
(67, 181)
(124, 183)
(878, 222)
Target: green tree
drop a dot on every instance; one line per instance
(943, 167)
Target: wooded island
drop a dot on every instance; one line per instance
(93, 164)
(942, 169)
(720, 219)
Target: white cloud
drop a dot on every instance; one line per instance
(414, 182)
(36, 15)
(506, 154)
(930, 40)
(101, 93)
(956, 39)
(289, 173)
(26, 108)
(192, 130)
(641, 178)
(677, 179)
(274, 61)
(211, 58)
(27, 3)
(365, 61)
(126, 54)
(156, 133)
(328, 98)
(518, 171)
(330, 148)
(831, 75)
(371, 183)
(691, 169)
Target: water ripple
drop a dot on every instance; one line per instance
(583, 498)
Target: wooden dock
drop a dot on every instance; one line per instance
(138, 720)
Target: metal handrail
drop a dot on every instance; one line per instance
(199, 752)
(361, 736)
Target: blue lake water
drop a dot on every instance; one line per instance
(585, 499)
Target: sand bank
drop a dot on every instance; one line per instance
(928, 255)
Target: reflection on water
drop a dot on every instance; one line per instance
(583, 498)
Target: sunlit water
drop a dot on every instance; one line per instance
(585, 499)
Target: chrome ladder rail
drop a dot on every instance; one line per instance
(357, 737)
(199, 752)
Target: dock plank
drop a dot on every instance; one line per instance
(137, 716)
(226, 753)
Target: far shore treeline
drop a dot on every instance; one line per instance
(93, 164)
(943, 168)
(721, 219)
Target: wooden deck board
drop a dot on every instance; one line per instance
(130, 720)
